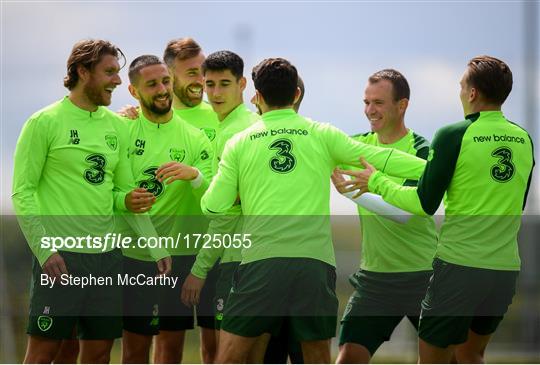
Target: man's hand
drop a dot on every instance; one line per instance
(164, 266)
(339, 181)
(139, 200)
(128, 111)
(191, 290)
(359, 181)
(172, 171)
(55, 266)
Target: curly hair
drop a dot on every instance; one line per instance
(88, 53)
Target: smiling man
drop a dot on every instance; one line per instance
(184, 57)
(484, 166)
(396, 258)
(172, 160)
(71, 169)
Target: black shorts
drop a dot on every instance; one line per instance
(460, 298)
(379, 303)
(173, 314)
(141, 302)
(266, 292)
(223, 288)
(94, 309)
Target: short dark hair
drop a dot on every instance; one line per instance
(88, 53)
(224, 60)
(491, 76)
(400, 86)
(276, 79)
(296, 106)
(181, 49)
(141, 62)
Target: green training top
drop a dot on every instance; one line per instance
(201, 116)
(281, 169)
(71, 164)
(484, 164)
(237, 120)
(150, 146)
(388, 246)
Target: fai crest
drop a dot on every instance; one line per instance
(112, 142)
(177, 155)
(44, 323)
(210, 133)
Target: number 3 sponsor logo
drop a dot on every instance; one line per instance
(151, 184)
(504, 170)
(95, 175)
(283, 161)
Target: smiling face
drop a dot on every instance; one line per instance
(224, 91)
(102, 81)
(153, 89)
(188, 80)
(382, 111)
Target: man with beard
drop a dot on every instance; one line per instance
(163, 149)
(70, 170)
(184, 58)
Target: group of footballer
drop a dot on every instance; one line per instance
(175, 165)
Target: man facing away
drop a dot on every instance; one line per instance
(290, 270)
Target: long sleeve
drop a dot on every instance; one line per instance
(404, 197)
(223, 189)
(143, 227)
(346, 150)
(29, 160)
(223, 225)
(433, 183)
(123, 176)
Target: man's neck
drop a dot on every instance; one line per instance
(157, 118)
(178, 105)
(79, 99)
(484, 107)
(221, 117)
(394, 135)
(272, 108)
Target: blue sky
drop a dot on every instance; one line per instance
(335, 46)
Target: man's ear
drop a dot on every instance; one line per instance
(133, 91)
(297, 94)
(473, 95)
(403, 104)
(83, 72)
(243, 83)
